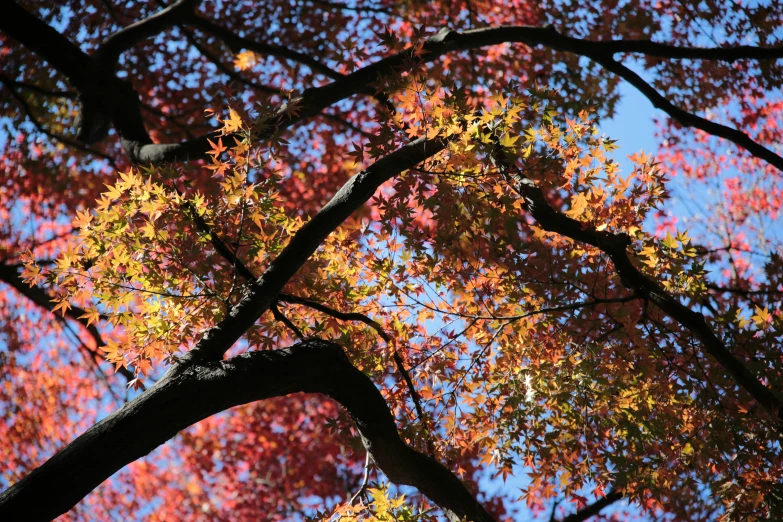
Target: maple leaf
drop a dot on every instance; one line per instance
(292, 107)
(762, 318)
(245, 60)
(233, 123)
(216, 149)
(62, 305)
(578, 206)
(92, 315)
(669, 242)
(32, 273)
(219, 167)
(357, 153)
(115, 192)
(508, 141)
(83, 219)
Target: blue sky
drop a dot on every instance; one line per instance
(632, 127)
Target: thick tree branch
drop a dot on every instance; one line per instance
(99, 109)
(47, 43)
(183, 398)
(549, 37)
(108, 53)
(314, 100)
(615, 246)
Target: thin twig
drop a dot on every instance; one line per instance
(279, 316)
(363, 486)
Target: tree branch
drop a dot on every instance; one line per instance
(594, 508)
(314, 100)
(236, 42)
(688, 119)
(279, 316)
(615, 246)
(268, 286)
(40, 90)
(27, 110)
(337, 314)
(184, 397)
(47, 43)
(742, 291)
(96, 113)
(550, 37)
(107, 54)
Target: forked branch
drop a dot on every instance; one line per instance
(182, 398)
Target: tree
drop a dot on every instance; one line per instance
(390, 238)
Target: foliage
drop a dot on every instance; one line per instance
(218, 182)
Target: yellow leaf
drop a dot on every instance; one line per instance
(762, 318)
(114, 192)
(578, 205)
(669, 242)
(245, 60)
(32, 274)
(83, 219)
(507, 141)
(62, 304)
(91, 315)
(233, 123)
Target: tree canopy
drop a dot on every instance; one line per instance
(281, 259)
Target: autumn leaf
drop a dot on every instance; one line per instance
(508, 141)
(216, 149)
(762, 318)
(578, 206)
(245, 60)
(92, 316)
(233, 123)
(62, 305)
